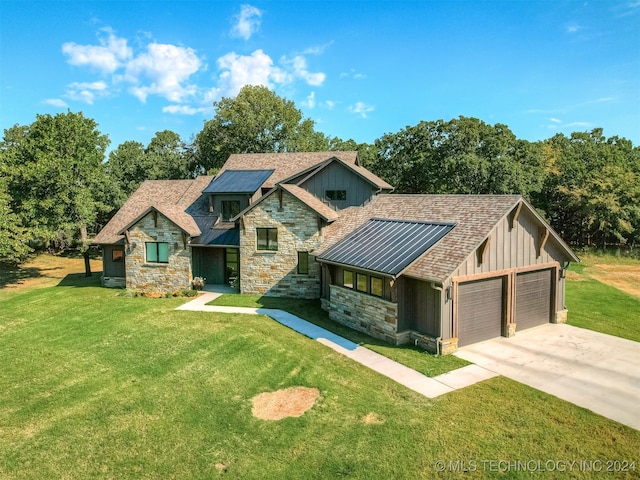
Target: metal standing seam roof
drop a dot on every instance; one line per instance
(238, 181)
(224, 234)
(386, 246)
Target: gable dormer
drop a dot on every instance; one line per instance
(234, 190)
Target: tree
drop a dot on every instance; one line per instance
(127, 167)
(592, 192)
(255, 121)
(464, 155)
(56, 168)
(13, 247)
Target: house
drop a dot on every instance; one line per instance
(438, 270)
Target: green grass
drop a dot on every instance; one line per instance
(603, 308)
(95, 385)
(310, 310)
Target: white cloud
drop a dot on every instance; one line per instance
(184, 110)
(86, 91)
(318, 49)
(167, 68)
(241, 70)
(247, 22)
(352, 74)
(310, 101)
(330, 104)
(573, 28)
(106, 57)
(360, 108)
(55, 102)
(555, 120)
(299, 69)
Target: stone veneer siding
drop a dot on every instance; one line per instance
(157, 277)
(365, 313)
(276, 273)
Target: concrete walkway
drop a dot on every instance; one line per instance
(416, 381)
(590, 369)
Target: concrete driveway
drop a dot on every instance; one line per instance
(590, 369)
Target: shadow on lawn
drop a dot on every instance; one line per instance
(12, 274)
(80, 280)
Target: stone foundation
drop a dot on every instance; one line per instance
(365, 313)
(510, 330)
(561, 316)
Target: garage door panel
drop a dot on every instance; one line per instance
(480, 310)
(533, 299)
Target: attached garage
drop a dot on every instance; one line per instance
(481, 310)
(534, 295)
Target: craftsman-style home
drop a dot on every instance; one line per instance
(439, 270)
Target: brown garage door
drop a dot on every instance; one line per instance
(480, 310)
(533, 299)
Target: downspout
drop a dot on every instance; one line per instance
(438, 339)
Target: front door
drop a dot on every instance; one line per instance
(232, 266)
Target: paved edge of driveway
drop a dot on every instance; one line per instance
(430, 387)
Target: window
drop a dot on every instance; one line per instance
(267, 238)
(303, 263)
(376, 286)
(347, 279)
(230, 208)
(157, 252)
(117, 255)
(361, 282)
(336, 195)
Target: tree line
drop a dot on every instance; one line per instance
(57, 186)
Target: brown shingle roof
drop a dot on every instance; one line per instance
(169, 197)
(475, 216)
(325, 211)
(285, 165)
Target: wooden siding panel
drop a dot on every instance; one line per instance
(338, 177)
(109, 267)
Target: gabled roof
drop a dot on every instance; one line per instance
(475, 217)
(238, 181)
(169, 197)
(323, 211)
(326, 212)
(284, 165)
(386, 246)
(362, 172)
(175, 213)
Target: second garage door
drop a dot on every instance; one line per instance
(533, 299)
(480, 310)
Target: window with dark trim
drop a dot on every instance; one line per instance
(157, 252)
(117, 255)
(303, 263)
(267, 239)
(376, 286)
(347, 279)
(230, 208)
(336, 195)
(361, 282)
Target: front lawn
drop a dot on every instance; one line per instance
(310, 311)
(95, 385)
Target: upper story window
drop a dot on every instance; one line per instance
(267, 238)
(230, 208)
(335, 195)
(157, 252)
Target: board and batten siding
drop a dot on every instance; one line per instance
(511, 249)
(419, 307)
(338, 177)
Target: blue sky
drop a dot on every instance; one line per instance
(358, 69)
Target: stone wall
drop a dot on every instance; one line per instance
(366, 313)
(113, 282)
(276, 273)
(157, 277)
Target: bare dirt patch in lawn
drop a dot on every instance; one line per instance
(290, 402)
(44, 270)
(372, 418)
(623, 277)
